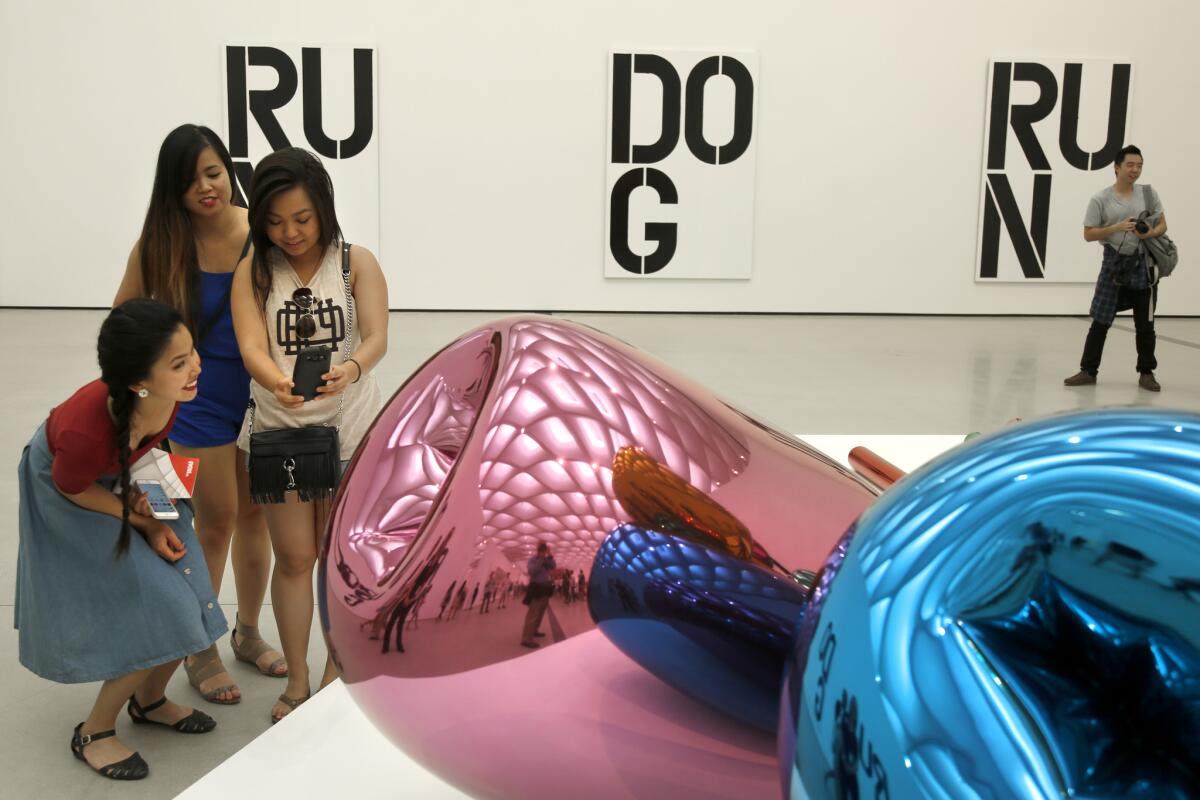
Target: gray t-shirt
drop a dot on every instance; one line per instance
(540, 568)
(1106, 208)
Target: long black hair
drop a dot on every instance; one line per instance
(168, 260)
(283, 170)
(132, 339)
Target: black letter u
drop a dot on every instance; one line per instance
(364, 123)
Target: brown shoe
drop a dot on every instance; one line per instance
(1080, 378)
(249, 646)
(1147, 382)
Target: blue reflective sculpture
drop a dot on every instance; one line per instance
(709, 623)
(1019, 618)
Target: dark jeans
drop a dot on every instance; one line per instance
(533, 617)
(1143, 322)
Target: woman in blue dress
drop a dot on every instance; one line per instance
(106, 591)
(195, 233)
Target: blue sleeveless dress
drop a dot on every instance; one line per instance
(215, 417)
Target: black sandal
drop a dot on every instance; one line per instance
(196, 722)
(133, 768)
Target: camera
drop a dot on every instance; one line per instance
(1141, 227)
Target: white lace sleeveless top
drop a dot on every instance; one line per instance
(361, 400)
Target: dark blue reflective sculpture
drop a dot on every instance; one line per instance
(709, 623)
(1019, 618)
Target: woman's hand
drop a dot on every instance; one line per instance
(283, 393)
(163, 541)
(337, 379)
(139, 503)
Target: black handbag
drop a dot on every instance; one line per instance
(305, 460)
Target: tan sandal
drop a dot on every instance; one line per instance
(291, 702)
(204, 666)
(249, 646)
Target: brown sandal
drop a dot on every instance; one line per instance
(249, 646)
(205, 665)
(291, 702)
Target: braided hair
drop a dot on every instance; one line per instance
(132, 339)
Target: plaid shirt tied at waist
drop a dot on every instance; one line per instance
(1118, 272)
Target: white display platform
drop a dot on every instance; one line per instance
(328, 748)
(324, 749)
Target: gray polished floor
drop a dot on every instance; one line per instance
(806, 374)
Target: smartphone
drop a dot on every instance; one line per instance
(311, 364)
(160, 505)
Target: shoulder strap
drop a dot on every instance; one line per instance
(349, 297)
(349, 320)
(1148, 198)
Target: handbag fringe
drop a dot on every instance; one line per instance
(315, 477)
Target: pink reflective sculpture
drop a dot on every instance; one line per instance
(504, 439)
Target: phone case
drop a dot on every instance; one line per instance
(311, 364)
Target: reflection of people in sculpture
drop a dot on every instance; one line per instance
(446, 599)
(488, 590)
(474, 595)
(459, 600)
(411, 595)
(582, 586)
(626, 595)
(414, 616)
(541, 586)
(502, 589)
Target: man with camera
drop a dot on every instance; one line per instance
(1118, 216)
(542, 572)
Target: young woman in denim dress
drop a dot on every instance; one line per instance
(105, 591)
(194, 234)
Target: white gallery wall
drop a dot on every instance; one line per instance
(492, 141)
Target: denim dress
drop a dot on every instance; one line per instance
(85, 615)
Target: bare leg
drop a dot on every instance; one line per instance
(252, 567)
(251, 550)
(103, 717)
(215, 503)
(293, 526)
(154, 687)
(331, 673)
(323, 510)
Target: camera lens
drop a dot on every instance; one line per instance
(1141, 227)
